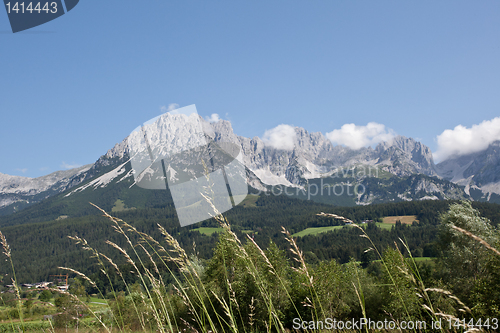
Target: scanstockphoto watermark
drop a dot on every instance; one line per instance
(25, 15)
(355, 171)
(361, 324)
(326, 186)
(176, 151)
(403, 325)
(312, 190)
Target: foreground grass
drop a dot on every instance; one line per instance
(246, 289)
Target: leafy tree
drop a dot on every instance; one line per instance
(402, 300)
(77, 287)
(45, 295)
(70, 310)
(333, 284)
(28, 304)
(366, 258)
(472, 269)
(464, 256)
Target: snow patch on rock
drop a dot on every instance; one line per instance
(101, 181)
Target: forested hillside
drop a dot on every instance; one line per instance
(39, 248)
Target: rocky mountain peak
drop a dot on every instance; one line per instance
(313, 156)
(223, 131)
(478, 169)
(405, 156)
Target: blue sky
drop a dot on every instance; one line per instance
(72, 88)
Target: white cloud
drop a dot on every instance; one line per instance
(213, 118)
(356, 137)
(280, 137)
(68, 166)
(24, 170)
(170, 108)
(462, 140)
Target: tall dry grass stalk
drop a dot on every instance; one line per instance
(303, 270)
(7, 252)
(384, 263)
(273, 319)
(478, 239)
(190, 286)
(148, 258)
(410, 270)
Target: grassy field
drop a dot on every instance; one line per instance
(315, 231)
(429, 260)
(385, 226)
(407, 219)
(208, 231)
(249, 201)
(120, 206)
(420, 259)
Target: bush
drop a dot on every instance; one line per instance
(45, 295)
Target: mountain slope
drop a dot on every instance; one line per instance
(478, 172)
(312, 159)
(18, 192)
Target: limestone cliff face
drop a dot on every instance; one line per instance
(313, 156)
(479, 170)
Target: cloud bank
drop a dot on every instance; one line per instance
(280, 137)
(462, 140)
(171, 107)
(213, 118)
(68, 166)
(356, 137)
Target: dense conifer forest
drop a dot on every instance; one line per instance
(253, 273)
(39, 248)
(245, 269)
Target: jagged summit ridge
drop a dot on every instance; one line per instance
(15, 188)
(415, 157)
(480, 170)
(313, 156)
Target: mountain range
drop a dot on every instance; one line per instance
(395, 170)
